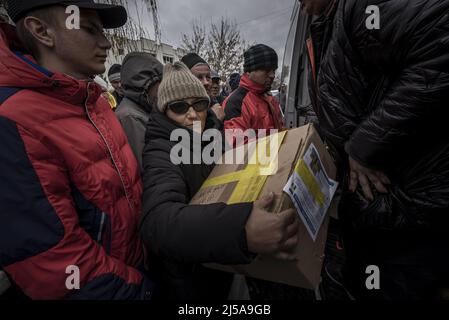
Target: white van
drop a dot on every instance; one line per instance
(294, 96)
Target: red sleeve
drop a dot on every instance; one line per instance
(40, 234)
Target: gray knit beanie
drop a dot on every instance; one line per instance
(178, 83)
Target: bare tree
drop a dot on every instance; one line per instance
(124, 39)
(222, 45)
(152, 7)
(195, 42)
(225, 47)
(3, 15)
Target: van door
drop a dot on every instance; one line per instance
(294, 95)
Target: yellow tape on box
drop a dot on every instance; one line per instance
(251, 180)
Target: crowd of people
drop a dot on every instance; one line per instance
(91, 188)
(87, 179)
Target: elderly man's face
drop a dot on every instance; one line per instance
(215, 90)
(315, 7)
(117, 85)
(202, 72)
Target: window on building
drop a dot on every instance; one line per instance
(168, 59)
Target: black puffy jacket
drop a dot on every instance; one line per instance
(180, 236)
(383, 99)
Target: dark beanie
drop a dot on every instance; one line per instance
(114, 72)
(260, 57)
(192, 59)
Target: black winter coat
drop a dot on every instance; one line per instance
(383, 99)
(179, 236)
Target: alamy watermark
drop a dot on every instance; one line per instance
(73, 20)
(373, 280)
(72, 282)
(213, 147)
(373, 20)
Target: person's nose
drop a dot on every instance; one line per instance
(104, 42)
(192, 114)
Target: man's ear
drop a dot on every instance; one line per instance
(40, 30)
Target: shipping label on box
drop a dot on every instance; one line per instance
(311, 190)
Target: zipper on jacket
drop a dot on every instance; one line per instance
(100, 231)
(107, 146)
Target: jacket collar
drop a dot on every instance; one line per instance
(248, 84)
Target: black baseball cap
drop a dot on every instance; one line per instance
(112, 16)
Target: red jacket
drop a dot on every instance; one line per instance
(70, 187)
(251, 107)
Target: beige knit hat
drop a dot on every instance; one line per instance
(178, 83)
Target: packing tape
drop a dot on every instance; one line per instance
(251, 180)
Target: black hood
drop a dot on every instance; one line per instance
(140, 71)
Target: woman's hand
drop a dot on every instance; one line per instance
(272, 234)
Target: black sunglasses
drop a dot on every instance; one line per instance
(181, 107)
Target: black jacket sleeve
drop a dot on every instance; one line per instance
(385, 94)
(380, 87)
(414, 101)
(175, 230)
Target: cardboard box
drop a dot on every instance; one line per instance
(233, 183)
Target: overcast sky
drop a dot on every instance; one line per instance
(260, 21)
